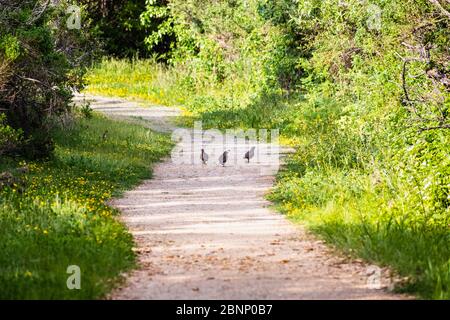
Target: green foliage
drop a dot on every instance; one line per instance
(9, 138)
(116, 25)
(40, 64)
(163, 34)
(58, 216)
(86, 110)
(10, 46)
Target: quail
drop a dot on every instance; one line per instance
(249, 154)
(223, 158)
(204, 157)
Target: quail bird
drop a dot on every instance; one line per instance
(249, 154)
(105, 135)
(204, 157)
(223, 158)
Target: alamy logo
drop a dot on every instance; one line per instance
(374, 277)
(374, 14)
(229, 148)
(374, 20)
(74, 20)
(74, 280)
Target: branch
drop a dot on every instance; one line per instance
(443, 126)
(31, 79)
(405, 90)
(39, 13)
(408, 100)
(440, 7)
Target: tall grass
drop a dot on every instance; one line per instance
(138, 79)
(367, 217)
(56, 215)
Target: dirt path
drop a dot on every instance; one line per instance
(206, 232)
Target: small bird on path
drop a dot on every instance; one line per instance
(204, 157)
(249, 154)
(223, 158)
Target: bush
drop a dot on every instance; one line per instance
(40, 67)
(9, 138)
(117, 26)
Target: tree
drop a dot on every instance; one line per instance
(41, 64)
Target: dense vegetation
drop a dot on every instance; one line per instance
(41, 62)
(360, 88)
(116, 24)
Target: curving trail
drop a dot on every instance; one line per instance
(207, 232)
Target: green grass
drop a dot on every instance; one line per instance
(137, 79)
(59, 216)
(368, 220)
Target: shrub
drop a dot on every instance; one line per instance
(40, 67)
(9, 138)
(117, 26)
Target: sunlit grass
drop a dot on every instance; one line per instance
(58, 215)
(138, 79)
(367, 219)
